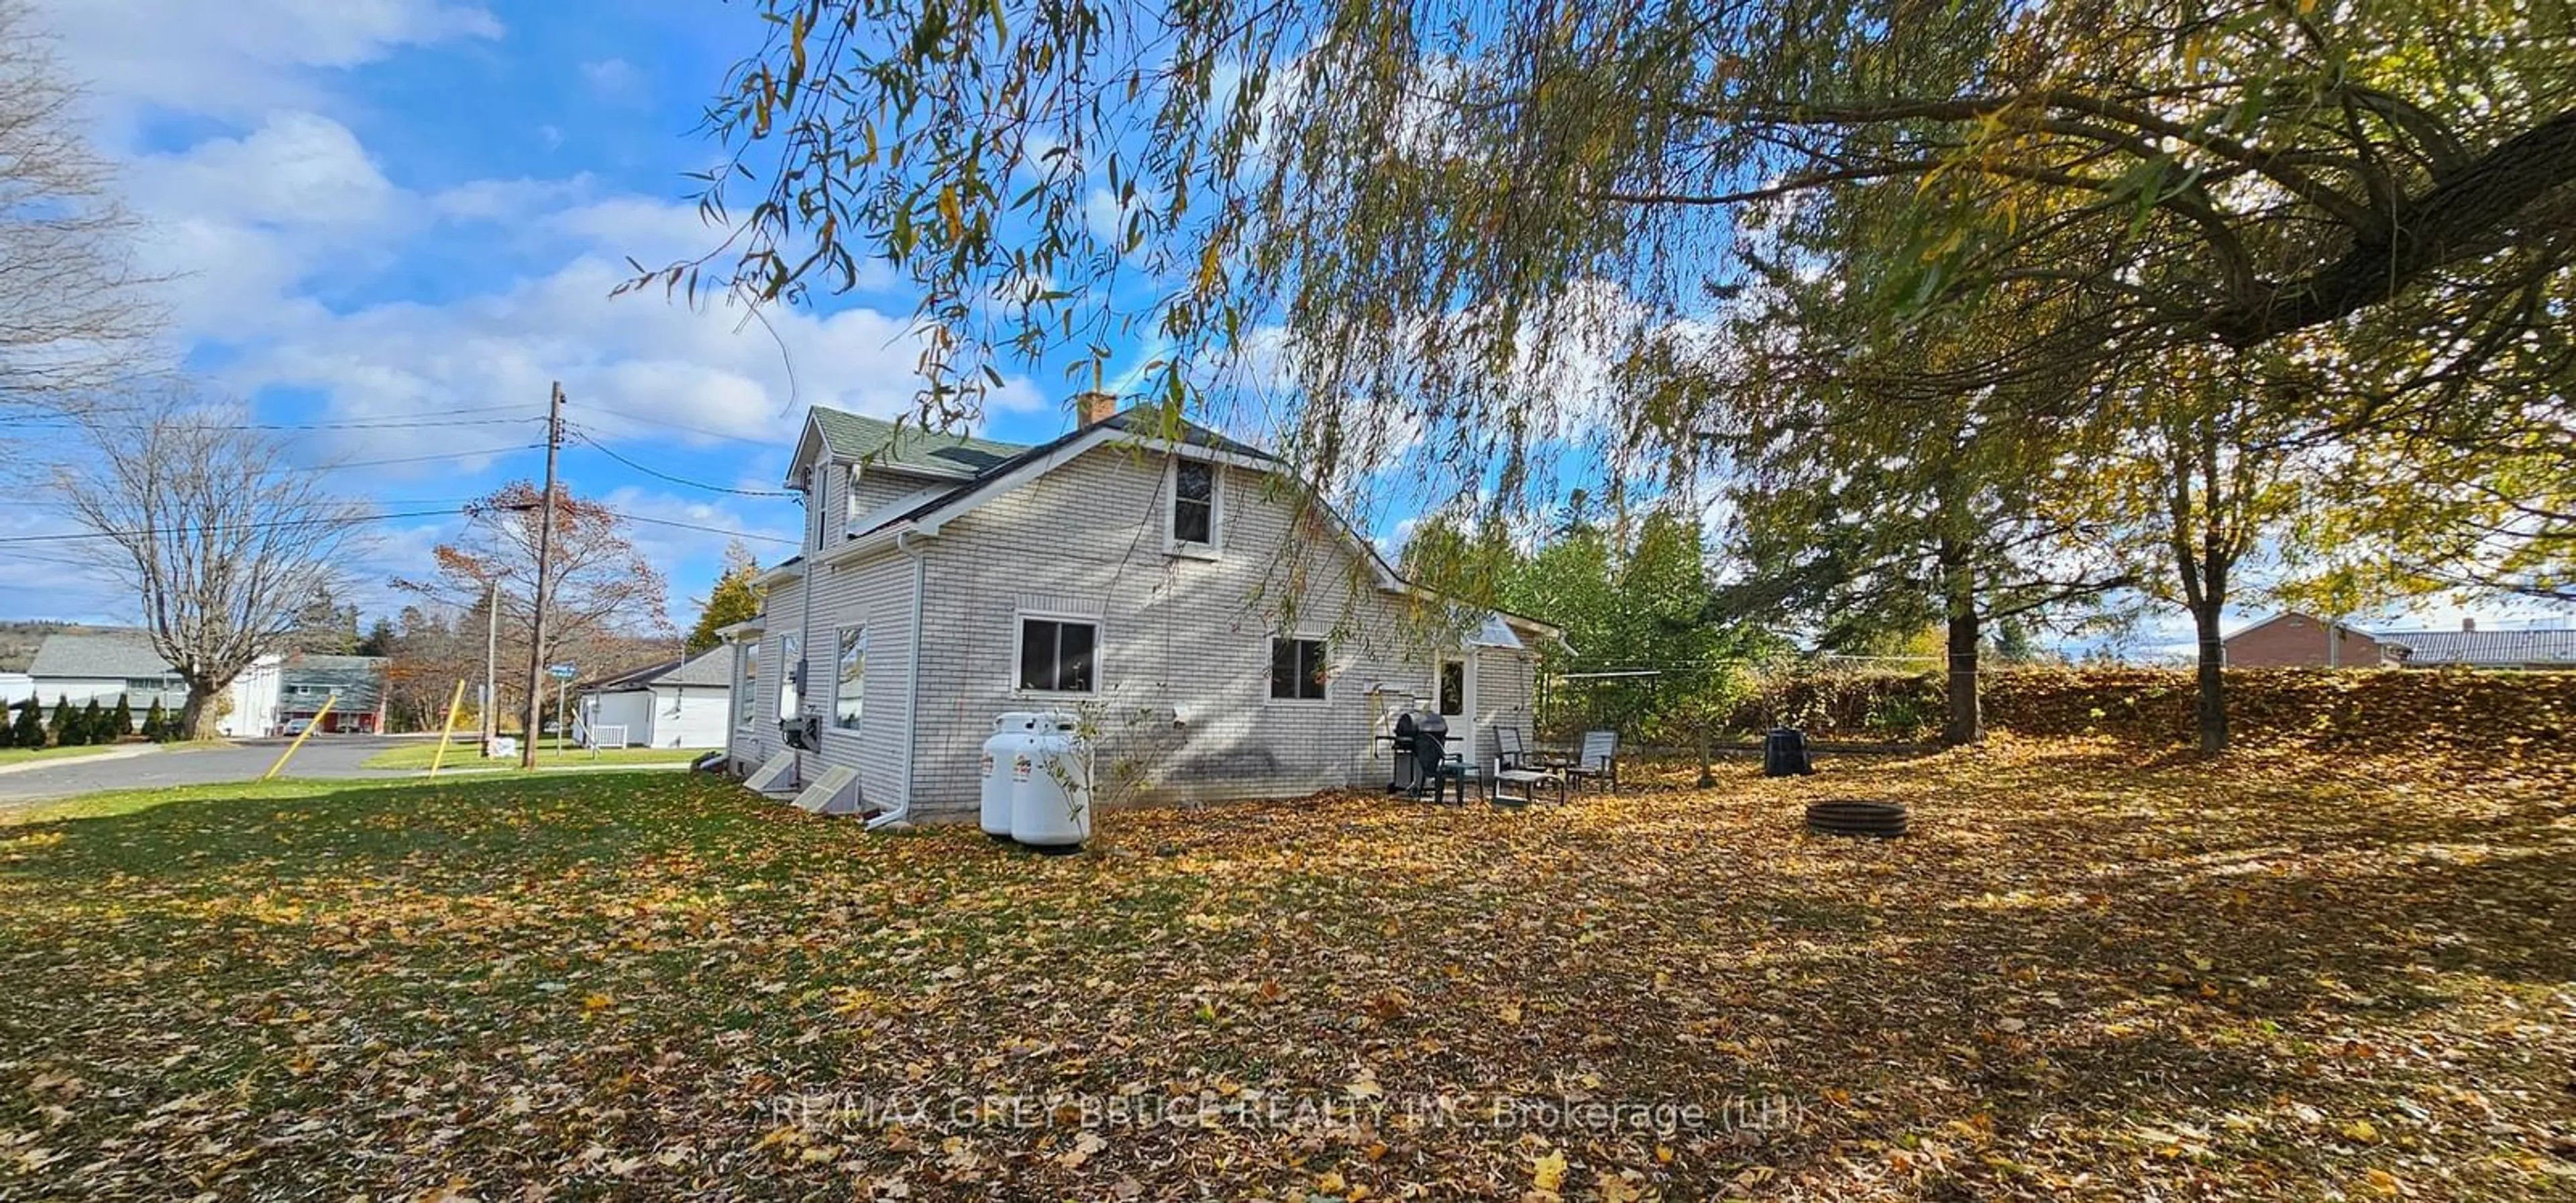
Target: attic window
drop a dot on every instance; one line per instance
(850, 514)
(1193, 504)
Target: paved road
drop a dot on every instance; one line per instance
(323, 756)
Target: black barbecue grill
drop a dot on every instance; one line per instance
(1420, 747)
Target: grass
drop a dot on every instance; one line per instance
(2089, 974)
(10, 756)
(417, 756)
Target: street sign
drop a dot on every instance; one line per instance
(560, 672)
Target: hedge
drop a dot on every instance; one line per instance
(2327, 707)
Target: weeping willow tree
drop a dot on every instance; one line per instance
(1451, 237)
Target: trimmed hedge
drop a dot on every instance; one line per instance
(2380, 708)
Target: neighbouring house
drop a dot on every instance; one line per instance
(1223, 638)
(673, 704)
(2469, 647)
(2296, 639)
(109, 664)
(353, 685)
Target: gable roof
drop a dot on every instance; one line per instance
(2347, 630)
(709, 667)
(1142, 422)
(1146, 424)
(900, 447)
(98, 654)
(2487, 647)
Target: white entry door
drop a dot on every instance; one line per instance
(1453, 694)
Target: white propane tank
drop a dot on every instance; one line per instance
(1012, 732)
(1051, 788)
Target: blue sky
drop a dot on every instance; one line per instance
(407, 210)
(414, 210)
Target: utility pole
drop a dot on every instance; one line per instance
(545, 562)
(491, 665)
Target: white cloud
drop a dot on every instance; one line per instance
(613, 79)
(237, 59)
(711, 369)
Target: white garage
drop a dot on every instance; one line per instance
(674, 704)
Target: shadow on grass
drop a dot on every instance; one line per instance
(2083, 963)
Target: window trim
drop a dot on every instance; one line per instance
(1466, 685)
(787, 665)
(840, 676)
(1020, 621)
(1270, 683)
(850, 514)
(1172, 542)
(746, 672)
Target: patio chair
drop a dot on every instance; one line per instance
(1517, 780)
(1598, 761)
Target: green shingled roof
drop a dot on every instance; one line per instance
(879, 442)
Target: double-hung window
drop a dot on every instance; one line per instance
(1194, 505)
(1297, 669)
(1059, 655)
(791, 673)
(849, 695)
(749, 678)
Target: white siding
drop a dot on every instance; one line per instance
(1183, 660)
(1184, 649)
(690, 716)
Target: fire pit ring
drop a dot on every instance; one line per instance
(1853, 817)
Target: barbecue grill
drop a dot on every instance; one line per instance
(1420, 746)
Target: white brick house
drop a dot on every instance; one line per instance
(1227, 640)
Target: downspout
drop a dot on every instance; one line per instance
(902, 811)
(805, 622)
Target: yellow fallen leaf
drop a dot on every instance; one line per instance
(1549, 1173)
(2362, 1131)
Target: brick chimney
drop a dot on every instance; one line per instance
(1095, 407)
(2469, 625)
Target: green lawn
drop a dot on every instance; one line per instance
(417, 756)
(9, 756)
(2088, 975)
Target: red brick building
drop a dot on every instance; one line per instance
(2295, 639)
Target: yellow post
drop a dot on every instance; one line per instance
(289, 754)
(440, 756)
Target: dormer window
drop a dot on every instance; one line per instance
(1195, 515)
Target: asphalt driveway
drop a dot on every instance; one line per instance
(322, 756)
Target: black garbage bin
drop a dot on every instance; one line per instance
(1784, 753)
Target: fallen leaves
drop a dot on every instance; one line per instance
(2086, 975)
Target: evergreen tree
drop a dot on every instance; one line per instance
(60, 719)
(30, 726)
(92, 722)
(380, 639)
(8, 727)
(156, 723)
(120, 723)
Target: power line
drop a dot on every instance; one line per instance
(422, 459)
(713, 434)
(385, 424)
(603, 449)
(228, 526)
(712, 530)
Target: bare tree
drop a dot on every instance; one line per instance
(75, 314)
(600, 591)
(222, 542)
